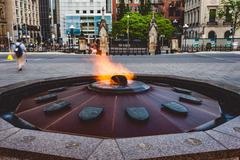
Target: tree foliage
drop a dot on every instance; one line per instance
(229, 10)
(139, 26)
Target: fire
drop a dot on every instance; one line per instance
(104, 69)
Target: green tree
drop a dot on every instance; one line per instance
(145, 7)
(139, 26)
(229, 10)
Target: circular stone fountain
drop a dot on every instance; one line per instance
(119, 109)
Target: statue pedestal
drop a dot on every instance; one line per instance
(152, 49)
(104, 45)
(82, 45)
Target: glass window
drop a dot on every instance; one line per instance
(212, 15)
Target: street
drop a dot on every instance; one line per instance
(221, 67)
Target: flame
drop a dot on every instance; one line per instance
(104, 69)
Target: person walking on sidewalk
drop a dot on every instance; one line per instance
(20, 54)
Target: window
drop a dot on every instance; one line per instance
(212, 15)
(178, 4)
(228, 17)
(77, 11)
(84, 11)
(227, 34)
(178, 13)
(171, 11)
(98, 11)
(108, 6)
(212, 35)
(91, 11)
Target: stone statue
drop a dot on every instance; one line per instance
(153, 35)
(103, 34)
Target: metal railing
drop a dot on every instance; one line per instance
(192, 48)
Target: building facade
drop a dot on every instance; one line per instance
(83, 16)
(48, 21)
(201, 17)
(45, 20)
(3, 25)
(171, 9)
(132, 4)
(23, 20)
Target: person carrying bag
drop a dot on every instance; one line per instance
(19, 50)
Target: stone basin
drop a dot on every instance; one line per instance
(218, 142)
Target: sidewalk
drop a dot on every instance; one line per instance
(217, 70)
(163, 52)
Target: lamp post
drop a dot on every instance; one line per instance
(72, 34)
(162, 40)
(128, 31)
(68, 34)
(185, 27)
(175, 24)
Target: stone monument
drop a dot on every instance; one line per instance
(82, 43)
(103, 36)
(153, 36)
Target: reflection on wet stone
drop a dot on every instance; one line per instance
(193, 141)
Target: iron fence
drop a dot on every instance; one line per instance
(192, 48)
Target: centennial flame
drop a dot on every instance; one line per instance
(104, 69)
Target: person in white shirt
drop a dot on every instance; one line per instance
(20, 54)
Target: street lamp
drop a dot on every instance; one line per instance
(72, 34)
(162, 40)
(185, 27)
(175, 23)
(68, 35)
(128, 31)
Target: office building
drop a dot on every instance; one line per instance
(23, 20)
(3, 25)
(76, 17)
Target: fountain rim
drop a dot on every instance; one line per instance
(20, 87)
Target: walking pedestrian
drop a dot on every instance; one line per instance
(20, 54)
